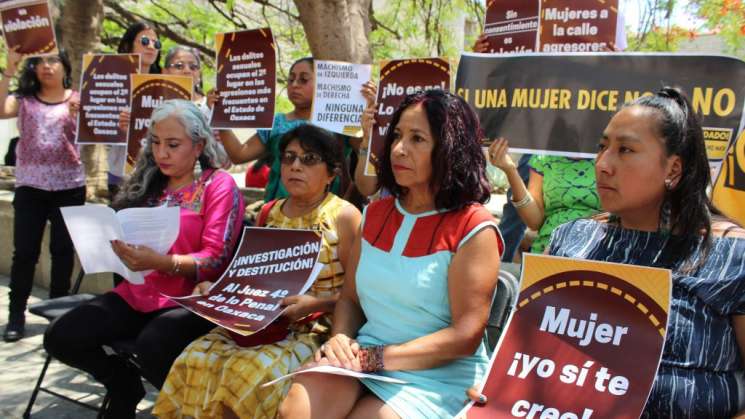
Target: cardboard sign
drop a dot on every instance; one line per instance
(399, 78)
(729, 189)
(246, 79)
(338, 103)
(149, 91)
(512, 25)
(584, 341)
(564, 111)
(270, 264)
(104, 93)
(578, 25)
(28, 25)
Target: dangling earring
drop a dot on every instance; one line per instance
(668, 184)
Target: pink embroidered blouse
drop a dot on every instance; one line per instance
(211, 219)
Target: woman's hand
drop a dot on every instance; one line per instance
(202, 288)
(212, 97)
(12, 60)
(137, 258)
(74, 106)
(475, 396)
(298, 306)
(370, 93)
(124, 117)
(481, 44)
(340, 351)
(498, 155)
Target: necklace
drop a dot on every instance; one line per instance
(181, 185)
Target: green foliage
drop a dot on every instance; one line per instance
(727, 17)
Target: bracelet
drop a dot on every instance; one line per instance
(371, 358)
(362, 151)
(523, 202)
(176, 265)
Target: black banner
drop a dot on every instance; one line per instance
(560, 104)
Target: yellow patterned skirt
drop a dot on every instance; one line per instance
(213, 371)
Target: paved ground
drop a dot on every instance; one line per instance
(21, 363)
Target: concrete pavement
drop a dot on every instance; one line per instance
(22, 362)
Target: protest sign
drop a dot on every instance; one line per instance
(729, 189)
(104, 93)
(399, 78)
(512, 25)
(28, 26)
(270, 264)
(560, 103)
(338, 103)
(578, 25)
(149, 91)
(584, 341)
(246, 79)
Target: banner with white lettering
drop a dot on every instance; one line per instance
(147, 92)
(560, 104)
(246, 79)
(104, 93)
(512, 25)
(585, 341)
(270, 264)
(338, 102)
(399, 78)
(28, 26)
(578, 25)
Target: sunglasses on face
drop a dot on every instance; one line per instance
(180, 66)
(50, 59)
(145, 41)
(307, 159)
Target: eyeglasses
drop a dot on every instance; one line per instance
(50, 59)
(307, 159)
(180, 66)
(145, 41)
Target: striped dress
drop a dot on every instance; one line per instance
(213, 371)
(701, 374)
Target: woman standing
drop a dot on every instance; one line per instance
(211, 213)
(49, 175)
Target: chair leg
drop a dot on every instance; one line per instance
(104, 406)
(27, 413)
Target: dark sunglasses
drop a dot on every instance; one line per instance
(180, 66)
(307, 159)
(50, 59)
(145, 41)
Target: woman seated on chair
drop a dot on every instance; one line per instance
(228, 384)
(211, 208)
(652, 176)
(421, 276)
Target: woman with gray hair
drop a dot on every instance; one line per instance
(211, 212)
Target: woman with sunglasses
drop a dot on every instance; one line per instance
(139, 38)
(185, 61)
(229, 384)
(211, 213)
(49, 175)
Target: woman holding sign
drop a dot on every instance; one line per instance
(211, 213)
(49, 175)
(310, 159)
(421, 277)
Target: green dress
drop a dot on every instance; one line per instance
(568, 193)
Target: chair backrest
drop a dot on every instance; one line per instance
(503, 303)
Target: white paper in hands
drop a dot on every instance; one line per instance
(92, 227)
(328, 369)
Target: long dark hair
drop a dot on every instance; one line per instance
(126, 44)
(28, 83)
(458, 163)
(689, 205)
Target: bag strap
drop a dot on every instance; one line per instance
(264, 213)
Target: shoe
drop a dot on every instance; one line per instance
(16, 328)
(124, 389)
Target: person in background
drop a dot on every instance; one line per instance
(420, 279)
(139, 38)
(185, 61)
(49, 175)
(210, 220)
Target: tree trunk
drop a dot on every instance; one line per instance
(337, 29)
(80, 27)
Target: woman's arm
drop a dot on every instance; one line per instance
(472, 277)
(528, 201)
(239, 153)
(9, 104)
(367, 185)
